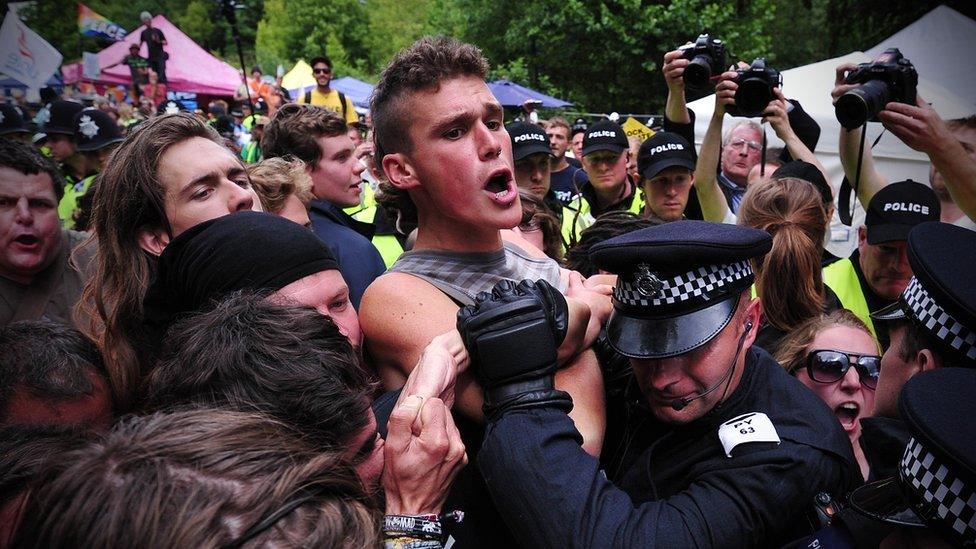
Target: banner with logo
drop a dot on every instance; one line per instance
(632, 127)
(97, 26)
(24, 55)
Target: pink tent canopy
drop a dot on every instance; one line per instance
(190, 68)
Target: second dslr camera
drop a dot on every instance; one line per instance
(755, 89)
(707, 57)
(888, 78)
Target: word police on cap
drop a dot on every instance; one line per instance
(528, 136)
(906, 207)
(667, 147)
(602, 133)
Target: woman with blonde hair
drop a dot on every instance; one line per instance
(836, 357)
(788, 279)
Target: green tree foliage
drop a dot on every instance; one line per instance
(301, 29)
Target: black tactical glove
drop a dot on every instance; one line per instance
(512, 335)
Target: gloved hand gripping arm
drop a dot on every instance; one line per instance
(512, 335)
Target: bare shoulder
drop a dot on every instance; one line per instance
(400, 314)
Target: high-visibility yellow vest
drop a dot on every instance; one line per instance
(387, 244)
(842, 279)
(69, 203)
(577, 215)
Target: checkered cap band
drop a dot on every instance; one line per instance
(702, 283)
(938, 321)
(941, 495)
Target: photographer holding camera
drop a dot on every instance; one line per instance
(707, 57)
(721, 190)
(950, 145)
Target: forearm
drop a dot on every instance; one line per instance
(959, 172)
(578, 335)
(583, 381)
(676, 109)
(871, 181)
(713, 204)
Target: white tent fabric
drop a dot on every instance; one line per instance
(946, 81)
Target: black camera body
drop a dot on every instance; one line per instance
(888, 78)
(707, 57)
(755, 89)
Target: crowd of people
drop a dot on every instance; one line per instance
(282, 324)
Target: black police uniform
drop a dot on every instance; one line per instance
(744, 474)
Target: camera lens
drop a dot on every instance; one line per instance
(698, 72)
(859, 105)
(752, 96)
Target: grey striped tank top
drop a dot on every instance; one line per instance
(462, 275)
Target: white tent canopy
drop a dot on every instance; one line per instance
(946, 81)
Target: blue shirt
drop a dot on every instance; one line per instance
(359, 261)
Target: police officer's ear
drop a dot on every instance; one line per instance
(927, 360)
(400, 171)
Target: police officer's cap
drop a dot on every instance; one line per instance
(678, 284)
(11, 120)
(94, 129)
(936, 483)
(941, 297)
(61, 117)
(528, 139)
(171, 106)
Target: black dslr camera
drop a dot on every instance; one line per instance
(888, 78)
(707, 57)
(755, 89)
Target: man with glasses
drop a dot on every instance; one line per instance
(324, 96)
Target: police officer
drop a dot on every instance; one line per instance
(878, 270)
(59, 135)
(737, 450)
(532, 155)
(12, 125)
(932, 325)
(932, 499)
(666, 166)
(96, 136)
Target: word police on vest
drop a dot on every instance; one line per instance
(906, 207)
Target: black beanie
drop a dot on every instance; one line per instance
(246, 250)
(807, 172)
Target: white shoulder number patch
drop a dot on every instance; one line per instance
(751, 427)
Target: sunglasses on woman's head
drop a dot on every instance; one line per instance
(828, 366)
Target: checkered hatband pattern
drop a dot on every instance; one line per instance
(703, 283)
(941, 495)
(938, 321)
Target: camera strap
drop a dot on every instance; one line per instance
(762, 156)
(845, 205)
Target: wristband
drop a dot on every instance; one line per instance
(424, 527)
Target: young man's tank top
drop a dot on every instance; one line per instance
(462, 275)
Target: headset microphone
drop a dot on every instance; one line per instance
(679, 404)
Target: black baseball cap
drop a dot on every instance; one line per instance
(605, 136)
(664, 150)
(807, 172)
(897, 208)
(527, 139)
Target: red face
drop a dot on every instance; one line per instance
(460, 169)
(667, 192)
(685, 376)
(336, 178)
(741, 153)
(885, 266)
(30, 231)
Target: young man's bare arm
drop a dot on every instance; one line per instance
(400, 314)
